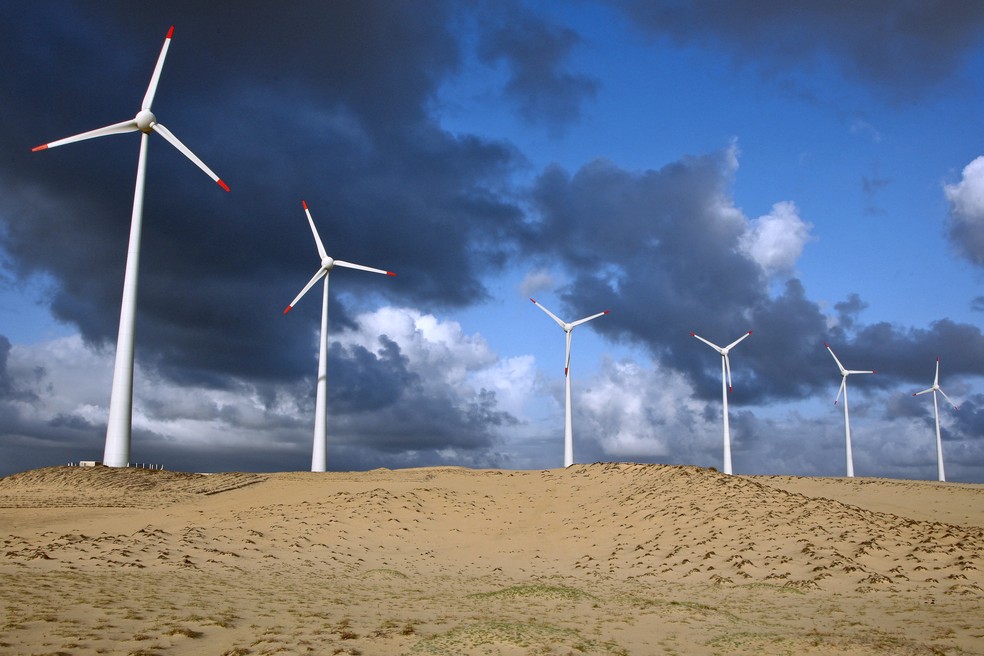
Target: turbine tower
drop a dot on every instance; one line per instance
(568, 327)
(847, 417)
(725, 390)
(319, 453)
(118, 427)
(936, 411)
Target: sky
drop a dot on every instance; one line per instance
(812, 172)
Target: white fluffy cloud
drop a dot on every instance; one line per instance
(776, 240)
(966, 223)
(641, 413)
(449, 395)
(537, 281)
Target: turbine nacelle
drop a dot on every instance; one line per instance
(145, 120)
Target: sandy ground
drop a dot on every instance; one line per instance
(594, 559)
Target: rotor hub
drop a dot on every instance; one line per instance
(328, 263)
(145, 120)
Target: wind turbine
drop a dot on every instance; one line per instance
(319, 454)
(847, 418)
(725, 390)
(936, 411)
(568, 327)
(118, 427)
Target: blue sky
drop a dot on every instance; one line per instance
(788, 168)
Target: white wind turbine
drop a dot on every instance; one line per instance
(936, 411)
(568, 327)
(725, 390)
(847, 418)
(118, 427)
(319, 453)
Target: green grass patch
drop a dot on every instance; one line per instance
(533, 637)
(536, 591)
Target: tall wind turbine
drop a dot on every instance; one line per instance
(725, 390)
(319, 454)
(847, 418)
(568, 327)
(118, 427)
(936, 411)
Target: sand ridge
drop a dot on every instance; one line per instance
(603, 558)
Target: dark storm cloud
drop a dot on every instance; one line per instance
(11, 389)
(968, 421)
(397, 409)
(535, 54)
(322, 102)
(660, 249)
(902, 50)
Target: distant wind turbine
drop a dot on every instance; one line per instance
(568, 327)
(118, 427)
(847, 418)
(936, 411)
(725, 390)
(319, 454)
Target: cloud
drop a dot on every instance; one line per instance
(966, 218)
(635, 412)
(402, 384)
(776, 240)
(901, 51)
(871, 185)
(690, 260)
(350, 107)
(536, 281)
(535, 52)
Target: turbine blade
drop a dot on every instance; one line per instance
(552, 315)
(735, 343)
(116, 128)
(567, 356)
(841, 389)
(587, 319)
(925, 391)
(936, 381)
(856, 371)
(711, 344)
(727, 367)
(839, 365)
(947, 398)
(155, 78)
(363, 268)
(322, 272)
(317, 237)
(174, 141)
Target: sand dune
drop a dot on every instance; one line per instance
(594, 559)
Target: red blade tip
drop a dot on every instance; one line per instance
(170, 33)
(532, 300)
(607, 311)
(288, 309)
(222, 184)
(390, 273)
(692, 335)
(37, 148)
(304, 203)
